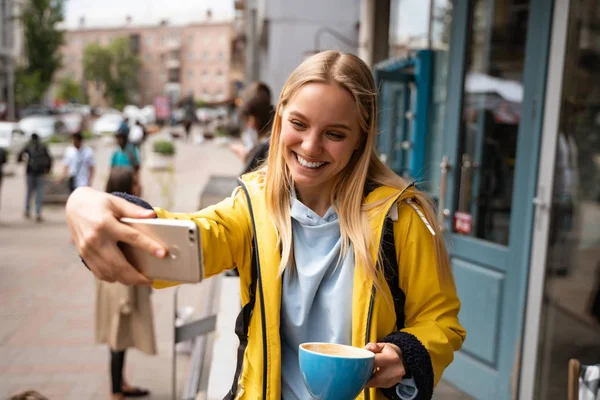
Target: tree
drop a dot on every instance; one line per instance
(29, 88)
(43, 38)
(69, 89)
(114, 69)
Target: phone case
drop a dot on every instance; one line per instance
(183, 262)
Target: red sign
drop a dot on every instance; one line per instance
(462, 222)
(162, 109)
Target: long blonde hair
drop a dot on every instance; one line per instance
(352, 74)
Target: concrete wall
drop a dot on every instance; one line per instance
(290, 34)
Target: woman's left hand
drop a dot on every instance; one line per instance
(389, 365)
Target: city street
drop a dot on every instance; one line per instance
(47, 296)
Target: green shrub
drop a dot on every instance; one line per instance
(57, 139)
(164, 147)
(87, 135)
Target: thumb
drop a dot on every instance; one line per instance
(124, 208)
(375, 347)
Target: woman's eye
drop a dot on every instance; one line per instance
(297, 124)
(335, 135)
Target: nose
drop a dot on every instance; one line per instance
(311, 144)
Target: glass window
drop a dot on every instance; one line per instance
(570, 315)
(149, 40)
(414, 25)
(493, 92)
(190, 74)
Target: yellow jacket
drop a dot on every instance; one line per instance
(432, 330)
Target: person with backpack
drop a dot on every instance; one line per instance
(39, 163)
(331, 245)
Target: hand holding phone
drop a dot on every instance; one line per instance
(183, 262)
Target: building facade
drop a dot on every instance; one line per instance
(494, 106)
(176, 60)
(280, 34)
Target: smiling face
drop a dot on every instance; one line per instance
(319, 134)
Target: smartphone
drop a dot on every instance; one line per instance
(183, 262)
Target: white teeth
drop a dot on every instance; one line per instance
(308, 164)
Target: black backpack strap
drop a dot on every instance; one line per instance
(390, 270)
(242, 323)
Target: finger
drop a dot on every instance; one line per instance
(96, 264)
(386, 359)
(124, 272)
(127, 234)
(374, 347)
(124, 208)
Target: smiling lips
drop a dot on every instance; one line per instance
(309, 164)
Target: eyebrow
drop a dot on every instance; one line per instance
(338, 125)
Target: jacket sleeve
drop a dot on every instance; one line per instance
(432, 332)
(225, 234)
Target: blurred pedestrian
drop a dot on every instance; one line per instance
(39, 163)
(79, 163)
(123, 313)
(126, 156)
(257, 114)
(136, 134)
(189, 115)
(3, 159)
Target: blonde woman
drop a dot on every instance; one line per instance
(316, 217)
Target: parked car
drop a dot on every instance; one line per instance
(44, 125)
(37, 109)
(148, 115)
(74, 121)
(107, 123)
(7, 132)
(82, 109)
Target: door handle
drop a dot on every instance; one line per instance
(442, 211)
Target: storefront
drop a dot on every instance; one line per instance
(510, 149)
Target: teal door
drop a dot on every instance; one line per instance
(498, 56)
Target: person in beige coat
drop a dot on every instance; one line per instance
(123, 313)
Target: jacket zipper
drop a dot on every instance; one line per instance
(260, 292)
(367, 395)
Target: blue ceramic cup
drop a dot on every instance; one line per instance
(335, 371)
